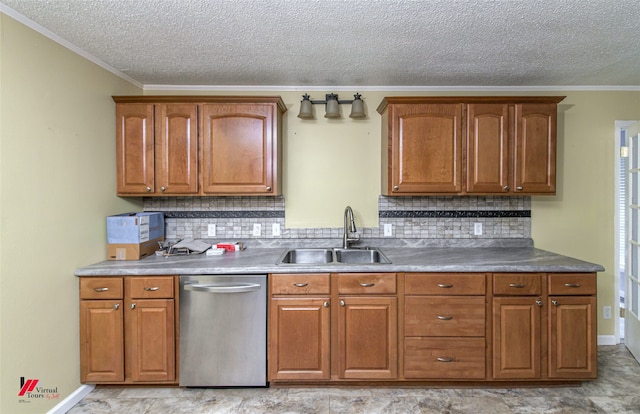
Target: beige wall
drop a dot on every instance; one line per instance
(57, 183)
(57, 157)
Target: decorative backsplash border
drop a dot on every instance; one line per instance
(501, 217)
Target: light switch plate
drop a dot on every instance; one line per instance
(211, 230)
(275, 229)
(257, 229)
(477, 229)
(388, 230)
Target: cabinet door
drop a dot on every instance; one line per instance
(101, 341)
(135, 148)
(367, 338)
(572, 337)
(535, 154)
(150, 340)
(426, 149)
(516, 338)
(239, 148)
(299, 341)
(176, 148)
(488, 148)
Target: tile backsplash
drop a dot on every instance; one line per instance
(410, 217)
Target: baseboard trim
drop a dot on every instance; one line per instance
(73, 399)
(607, 340)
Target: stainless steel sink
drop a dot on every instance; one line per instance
(307, 256)
(369, 255)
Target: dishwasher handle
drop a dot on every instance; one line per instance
(223, 287)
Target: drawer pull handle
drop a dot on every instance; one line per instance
(517, 285)
(444, 318)
(300, 284)
(151, 289)
(576, 285)
(444, 359)
(102, 289)
(444, 286)
(367, 284)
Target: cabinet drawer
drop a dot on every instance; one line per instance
(445, 284)
(572, 284)
(365, 283)
(101, 288)
(517, 284)
(444, 316)
(436, 358)
(149, 287)
(300, 284)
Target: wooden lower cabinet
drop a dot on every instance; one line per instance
(129, 339)
(541, 335)
(299, 339)
(368, 338)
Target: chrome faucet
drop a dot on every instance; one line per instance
(349, 227)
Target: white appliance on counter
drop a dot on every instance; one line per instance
(223, 330)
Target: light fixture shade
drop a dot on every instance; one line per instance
(357, 107)
(306, 108)
(333, 107)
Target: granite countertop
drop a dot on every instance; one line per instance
(496, 256)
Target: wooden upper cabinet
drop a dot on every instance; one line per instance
(535, 148)
(135, 148)
(424, 151)
(488, 148)
(176, 148)
(199, 145)
(469, 145)
(239, 149)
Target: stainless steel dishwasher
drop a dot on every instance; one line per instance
(223, 330)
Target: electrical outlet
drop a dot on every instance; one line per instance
(606, 312)
(477, 229)
(275, 229)
(257, 229)
(211, 230)
(388, 230)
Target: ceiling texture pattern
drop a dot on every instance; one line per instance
(362, 43)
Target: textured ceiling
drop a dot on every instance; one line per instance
(437, 43)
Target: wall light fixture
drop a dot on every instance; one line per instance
(332, 109)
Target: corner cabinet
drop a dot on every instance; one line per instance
(469, 145)
(128, 330)
(198, 145)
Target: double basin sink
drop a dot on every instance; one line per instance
(307, 256)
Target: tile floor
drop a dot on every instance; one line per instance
(617, 390)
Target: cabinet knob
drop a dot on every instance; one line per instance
(555, 302)
(148, 189)
(268, 188)
(506, 188)
(539, 302)
(116, 306)
(396, 188)
(519, 188)
(133, 306)
(342, 303)
(163, 189)
(326, 304)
